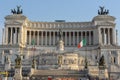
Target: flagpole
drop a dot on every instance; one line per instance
(86, 62)
(83, 44)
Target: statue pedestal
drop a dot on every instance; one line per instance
(60, 45)
(18, 74)
(103, 73)
(7, 66)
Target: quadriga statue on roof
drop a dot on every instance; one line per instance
(103, 11)
(18, 11)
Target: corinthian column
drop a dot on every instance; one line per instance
(78, 37)
(73, 38)
(66, 38)
(53, 38)
(6, 35)
(89, 37)
(69, 38)
(113, 36)
(50, 37)
(42, 38)
(34, 37)
(104, 36)
(86, 37)
(19, 35)
(11, 37)
(108, 36)
(15, 35)
(81, 36)
(46, 38)
(37, 37)
(29, 37)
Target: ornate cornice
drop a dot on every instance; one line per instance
(58, 25)
(104, 18)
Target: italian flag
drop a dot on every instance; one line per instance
(82, 43)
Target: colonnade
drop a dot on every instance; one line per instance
(107, 36)
(12, 35)
(50, 38)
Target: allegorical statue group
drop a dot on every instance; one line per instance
(103, 11)
(18, 11)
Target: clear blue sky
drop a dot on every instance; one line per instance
(69, 10)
